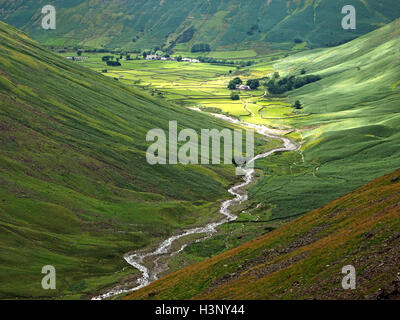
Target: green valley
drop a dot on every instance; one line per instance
(365, 113)
(77, 191)
(347, 133)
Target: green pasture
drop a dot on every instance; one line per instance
(347, 129)
(78, 193)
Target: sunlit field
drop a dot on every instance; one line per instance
(322, 169)
(202, 85)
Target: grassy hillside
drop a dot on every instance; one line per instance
(230, 24)
(348, 127)
(350, 120)
(304, 259)
(76, 191)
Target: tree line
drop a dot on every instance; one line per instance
(253, 84)
(279, 85)
(201, 47)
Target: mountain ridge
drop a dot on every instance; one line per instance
(229, 24)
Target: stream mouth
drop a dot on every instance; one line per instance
(138, 259)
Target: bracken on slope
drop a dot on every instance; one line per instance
(304, 259)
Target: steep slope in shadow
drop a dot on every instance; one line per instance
(221, 23)
(76, 190)
(351, 131)
(304, 259)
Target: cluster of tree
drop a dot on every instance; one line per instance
(215, 61)
(297, 105)
(128, 57)
(107, 58)
(246, 63)
(253, 84)
(235, 96)
(201, 47)
(281, 85)
(233, 83)
(79, 52)
(113, 63)
(162, 52)
(95, 50)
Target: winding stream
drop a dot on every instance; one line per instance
(137, 260)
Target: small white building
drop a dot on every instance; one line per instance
(153, 57)
(77, 58)
(81, 58)
(168, 59)
(190, 60)
(243, 87)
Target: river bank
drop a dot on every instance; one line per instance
(141, 260)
